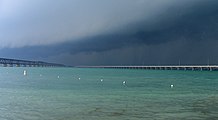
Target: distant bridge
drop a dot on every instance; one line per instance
(167, 67)
(4, 62)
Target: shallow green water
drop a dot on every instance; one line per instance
(147, 94)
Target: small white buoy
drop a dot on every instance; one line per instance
(24, 72)
(102, 80)
(40, 75)
(124, 82)
(79, 78)
(171, 86)
(58, 76)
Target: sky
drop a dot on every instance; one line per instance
(110, 32)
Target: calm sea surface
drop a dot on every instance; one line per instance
(99, 94)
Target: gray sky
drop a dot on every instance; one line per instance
(44, 22)
(110, 32)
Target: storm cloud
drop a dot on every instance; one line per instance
(110, 32)
(45, 22)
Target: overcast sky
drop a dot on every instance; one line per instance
(110, 32)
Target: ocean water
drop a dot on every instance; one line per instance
(99, 94)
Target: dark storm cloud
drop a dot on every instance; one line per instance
(195, 24)
(45, 22)
(185, 31)
(198, 24)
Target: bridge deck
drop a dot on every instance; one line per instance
(167, 67)
(26, 63)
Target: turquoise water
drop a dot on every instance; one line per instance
(147, 95)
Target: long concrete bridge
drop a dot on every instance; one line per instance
(164, 67)
(4, 62)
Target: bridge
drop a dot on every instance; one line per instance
(164, 67)
(4, 62)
